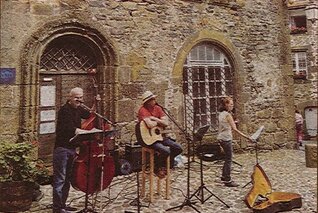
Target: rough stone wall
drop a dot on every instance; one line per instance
(305, 94)
(306, 90)
(149, 37)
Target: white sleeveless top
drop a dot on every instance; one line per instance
(225, 130)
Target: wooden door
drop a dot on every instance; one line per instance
(48, 107)
(64, 64)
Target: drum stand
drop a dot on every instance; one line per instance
(199, 193)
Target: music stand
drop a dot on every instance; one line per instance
(255, 138)
(199, 193)
(193, 153)
(197, 136)
(88, 135)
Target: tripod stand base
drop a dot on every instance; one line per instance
(86, 210)
(137, 203)
(247, 184)
(199, 194)
(187, 202)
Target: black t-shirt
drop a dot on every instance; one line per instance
(69, 118)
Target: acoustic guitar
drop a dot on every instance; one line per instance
(148, 136)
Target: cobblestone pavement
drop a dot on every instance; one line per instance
(286, 169)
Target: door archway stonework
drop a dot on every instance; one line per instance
(107, 62)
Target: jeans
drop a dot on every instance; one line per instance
(167, 147)
(228, 152)
(299, 133)
(62, 169)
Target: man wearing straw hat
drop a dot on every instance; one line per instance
(154, 116)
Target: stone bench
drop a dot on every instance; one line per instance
(311, 155)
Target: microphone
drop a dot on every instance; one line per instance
(97, 114)
(84, 106)
(159, 105)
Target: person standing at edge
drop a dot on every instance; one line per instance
(153, 115)
(225, 138)
(299, 127)
(68, 124)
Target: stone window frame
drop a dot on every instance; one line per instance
(298, 21)
(231, 51)
(203, 59)
(299, 57)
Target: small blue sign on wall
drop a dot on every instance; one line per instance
(7, 75)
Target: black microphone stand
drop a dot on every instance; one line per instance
(137, 200)
(103, 120)
(94, 112)
(199, 193)
(187, 201)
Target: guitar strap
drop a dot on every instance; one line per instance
(149, 112)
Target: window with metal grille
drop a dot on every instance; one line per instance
(207, 77)
(68, 54)
(299, 60)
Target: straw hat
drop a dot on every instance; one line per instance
(147, 96)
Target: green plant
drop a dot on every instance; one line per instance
(17, 164)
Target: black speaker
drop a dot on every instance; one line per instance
(133, 156)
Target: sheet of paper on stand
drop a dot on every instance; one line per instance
(256, 135)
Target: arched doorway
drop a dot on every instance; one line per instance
(65, 63)
(63, 57)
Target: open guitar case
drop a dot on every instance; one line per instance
(262, 199)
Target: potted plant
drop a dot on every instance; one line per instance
(19, 173)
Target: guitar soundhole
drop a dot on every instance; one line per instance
(157, 131)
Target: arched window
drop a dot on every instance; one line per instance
(207, 77)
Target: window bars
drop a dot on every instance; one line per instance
(207, 78)
(67, 55)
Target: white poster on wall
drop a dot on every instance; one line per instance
(47, 115)
(47, 96)
(47, 128)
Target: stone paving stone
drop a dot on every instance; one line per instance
(286, 169)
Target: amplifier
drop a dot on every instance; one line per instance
(133, 155)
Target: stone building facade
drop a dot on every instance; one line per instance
(304, 45)
(189, 53)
